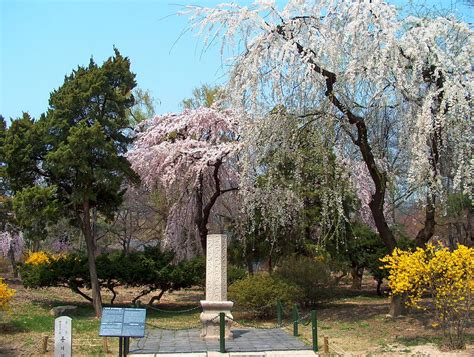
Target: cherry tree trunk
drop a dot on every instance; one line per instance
(379, 287)
(35, 246)
(397, 306)
(249, 263)
(357, 274)
(203, 238)
(11, 255)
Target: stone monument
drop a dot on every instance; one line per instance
(63, 337)
(216, 289)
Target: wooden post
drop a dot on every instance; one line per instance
(45, 344)
(105, 345)
(326, 345)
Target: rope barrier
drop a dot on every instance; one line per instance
(174, 311)
(296, 319)
(175, 328)
(144, 339)
(309, 318)
(337, 348)
(305, 320)
(247, 324)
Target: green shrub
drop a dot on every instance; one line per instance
(258, 294)
(235, 273)
(193, 272)
(312, 276)
(69, 271)
(151, 270)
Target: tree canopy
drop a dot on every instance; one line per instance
(390, 90)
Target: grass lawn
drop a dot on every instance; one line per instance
(355, 323)
(22, 331)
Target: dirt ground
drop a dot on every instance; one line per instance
(355, 323)
(360, 326)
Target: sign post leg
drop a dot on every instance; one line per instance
(126, 346)
(120, 347)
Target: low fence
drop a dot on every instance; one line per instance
(310, 318)
(291, 320)
(295, 321)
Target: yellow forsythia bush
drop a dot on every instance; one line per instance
(37, 258)
(446, 275)
(6, 294)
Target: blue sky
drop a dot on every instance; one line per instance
(43, 40)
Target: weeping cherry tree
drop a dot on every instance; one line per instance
(191, 156)
(348, 65)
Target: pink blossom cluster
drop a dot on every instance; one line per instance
(11, 241)
(177, 148)
(61, 245)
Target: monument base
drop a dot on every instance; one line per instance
(210, 319)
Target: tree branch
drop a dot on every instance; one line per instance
(377, 201)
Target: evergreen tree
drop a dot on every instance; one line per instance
(78, 148)
(204, 96)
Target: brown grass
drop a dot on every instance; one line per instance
(355, 323)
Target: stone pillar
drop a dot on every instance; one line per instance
(63, 337)
(216, 288)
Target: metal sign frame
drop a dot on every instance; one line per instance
(123, 323)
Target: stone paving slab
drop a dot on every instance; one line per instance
(304, 353)
(189, 341)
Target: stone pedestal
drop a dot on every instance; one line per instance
(216, 288)
(210, 319)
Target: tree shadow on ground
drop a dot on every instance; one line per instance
(9, 328)
(84, 309)
(185, 296)
(7, 351)
(422, 340)
(350, 311)
(357, 311)
(362, 318)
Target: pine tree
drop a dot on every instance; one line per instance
(79, 147)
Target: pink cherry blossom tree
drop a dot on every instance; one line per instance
(191, 156)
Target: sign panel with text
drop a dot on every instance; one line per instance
(122, 322)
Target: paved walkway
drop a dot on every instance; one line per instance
(188, 341)
(304, 353)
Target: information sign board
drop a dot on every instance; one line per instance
(122, 322)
